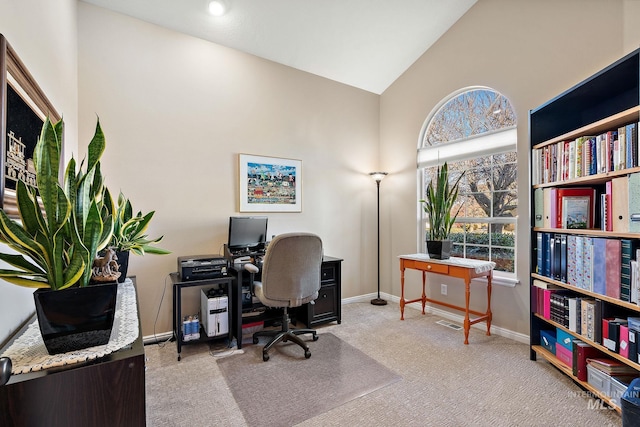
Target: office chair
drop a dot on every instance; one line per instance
(290, 278)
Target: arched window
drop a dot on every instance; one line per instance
(474, 130)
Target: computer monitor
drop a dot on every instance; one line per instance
(247, 233)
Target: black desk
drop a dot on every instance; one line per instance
(327, 307)
(177, 308)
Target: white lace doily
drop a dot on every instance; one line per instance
(28, 353)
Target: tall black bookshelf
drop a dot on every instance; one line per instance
(608, 100)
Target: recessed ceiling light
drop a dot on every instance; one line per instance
(217, 7)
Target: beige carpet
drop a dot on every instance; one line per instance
(292, 389)
(490, 382)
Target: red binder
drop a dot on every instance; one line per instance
(581, 352)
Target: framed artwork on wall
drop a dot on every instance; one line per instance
(270, 184)
(23, 110)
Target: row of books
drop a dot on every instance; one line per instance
(611, 207)
(578, 354)
(592, 318)
(605, 266)
(613, 150)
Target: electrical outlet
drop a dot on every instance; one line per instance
(443, 289)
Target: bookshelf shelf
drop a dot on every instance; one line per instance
(593, 344)
(627, 305)
(575, 142)
(551, 358)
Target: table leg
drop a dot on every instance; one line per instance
(467, 294)
(489, 303)
(401, 291)
(424, 294)
(178, 320)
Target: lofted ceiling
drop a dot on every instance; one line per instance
(367, 44)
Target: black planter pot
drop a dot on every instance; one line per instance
(76, 318)
(123, 262)
(439, 249)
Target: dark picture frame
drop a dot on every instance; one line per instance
(23, 110)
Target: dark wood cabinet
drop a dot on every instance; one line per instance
(327, 307)
(109, 391)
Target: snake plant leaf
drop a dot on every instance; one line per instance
(92, 235)
(27, 282)
(21, 262)
(71, 182)
(154, 249)
(75, 269)
(28, 208)
(96, 147)
(46, 158)
(15, 235)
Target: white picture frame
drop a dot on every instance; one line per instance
(269, 184)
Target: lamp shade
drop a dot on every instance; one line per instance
(378, 176)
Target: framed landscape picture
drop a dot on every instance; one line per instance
(576, 212)
(23, 110)
(270, 184)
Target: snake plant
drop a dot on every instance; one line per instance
(61, 229)
(439, 200)
(129, 230)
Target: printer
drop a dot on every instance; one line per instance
(202, 267)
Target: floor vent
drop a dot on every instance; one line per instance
(449, 325)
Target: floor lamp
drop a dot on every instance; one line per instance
(378, 176)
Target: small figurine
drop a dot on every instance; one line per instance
(105, 268)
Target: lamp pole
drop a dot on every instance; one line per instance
(378, 176)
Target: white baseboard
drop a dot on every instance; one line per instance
(156, 338)
(458, 318)
(506, 333)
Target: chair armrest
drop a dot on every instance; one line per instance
(253, 270)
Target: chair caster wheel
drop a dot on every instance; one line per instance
(265, 357)
(307, 354)
(315, 337)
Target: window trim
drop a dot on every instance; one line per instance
(485, 144)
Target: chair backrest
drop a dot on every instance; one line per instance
(291, 268)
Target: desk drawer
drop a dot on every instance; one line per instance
(431, 267)
(328, 272)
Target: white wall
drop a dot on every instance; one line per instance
(44, 35)
(177, 111)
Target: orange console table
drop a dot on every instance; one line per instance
(462, 268)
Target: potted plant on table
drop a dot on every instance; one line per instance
(129, 234)
(60, 232)
(437, 205)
